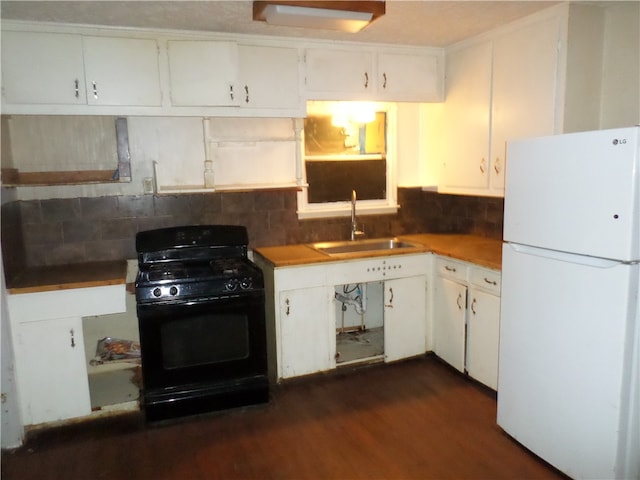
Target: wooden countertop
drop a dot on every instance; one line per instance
(62, 277)
(482, 251)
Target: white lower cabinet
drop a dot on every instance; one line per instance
(404, 320)
(50, 360)
(483, 330)
(450, 306)
(467, 318)
(53, 378)
(306, 334)
(301, 308)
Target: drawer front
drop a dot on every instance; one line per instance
(486, 279)
(447, 267)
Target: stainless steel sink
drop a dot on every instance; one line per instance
(346, 247)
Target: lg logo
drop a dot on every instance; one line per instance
(619, 141)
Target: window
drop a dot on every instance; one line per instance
(348, 146)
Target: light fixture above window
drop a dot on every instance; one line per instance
(350, 16)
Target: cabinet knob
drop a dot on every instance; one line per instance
(73, 340)
(473, 306)
(246, 94)
(449, 269)
(490, 282)
(458, 302)
(496, 166)
(76, 89)
(366, 80)
(482, 165)
(95, 90)
(231, 96)
(384, 80)
(287, 304)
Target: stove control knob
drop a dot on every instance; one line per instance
(173, 291)
(231, 284)
(157, 292)
(245, 283)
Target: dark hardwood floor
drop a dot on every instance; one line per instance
(411, 420)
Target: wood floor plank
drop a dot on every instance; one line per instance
(416, 419)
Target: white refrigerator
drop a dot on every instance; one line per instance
(569, 364)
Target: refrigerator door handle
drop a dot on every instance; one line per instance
(564, 256)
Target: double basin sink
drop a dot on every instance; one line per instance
(346, 247)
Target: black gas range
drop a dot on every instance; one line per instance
(200, 305)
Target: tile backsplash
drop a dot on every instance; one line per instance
(76, 230)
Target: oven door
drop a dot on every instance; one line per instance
(208, 341)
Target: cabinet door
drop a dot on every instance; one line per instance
(449, 321)
(525, 64)
(307, 331)
(52, 372)
(404, 317)
(42, 68)
(466, 118)
(269, 77)
(339, 74)
(203, 73)
(483, 329)
(409, 78)
(122, 71)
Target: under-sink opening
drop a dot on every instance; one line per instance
(359, 322)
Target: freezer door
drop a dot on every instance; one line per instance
(575, 193)
(566, 360)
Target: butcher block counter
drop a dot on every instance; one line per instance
(486, 252)
(63, 277)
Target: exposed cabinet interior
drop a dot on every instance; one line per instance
(64, 150)
(359, 322)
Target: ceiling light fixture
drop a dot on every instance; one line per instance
(331, 15)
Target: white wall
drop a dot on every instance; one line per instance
(621, 66)
(11, 430)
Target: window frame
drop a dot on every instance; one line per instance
(389, 205)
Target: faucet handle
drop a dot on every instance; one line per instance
(359, 232)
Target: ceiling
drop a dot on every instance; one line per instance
(427, 23)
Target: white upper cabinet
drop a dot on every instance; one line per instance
(365, 74)
(203, 73)
(407, 77)
(497, 89)
(333, 74)
(525, 65)
(269, 77)
(464, 145)
(122, 71)
(42, 68)
(46, 72)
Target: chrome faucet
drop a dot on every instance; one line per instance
(354, 224)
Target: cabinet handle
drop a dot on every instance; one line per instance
(384, 82)
(490, 282)
(496, 166)
(95, 90)
(390, 304)
(473, 306)
(449, 269)
(73, 340)
(231, 92)
(366, 80)
(76, 84)
(482, 166)
(246, 94)
(287, 303)
(458, 301)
